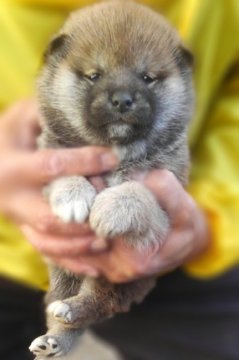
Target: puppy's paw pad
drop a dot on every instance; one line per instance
(60, 311)
(46, 346)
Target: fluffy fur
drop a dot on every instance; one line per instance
(115, 75)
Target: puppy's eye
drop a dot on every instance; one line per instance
(94, 77)
(148, 79)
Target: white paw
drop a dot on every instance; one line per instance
(74, 210)
(60, 311)
(46, 346)
(71, 199)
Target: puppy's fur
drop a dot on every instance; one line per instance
(116, 75)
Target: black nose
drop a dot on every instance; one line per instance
(122, 101)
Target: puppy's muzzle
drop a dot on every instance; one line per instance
(121, 101)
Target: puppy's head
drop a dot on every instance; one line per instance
(116, 72)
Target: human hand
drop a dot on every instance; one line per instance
(188, 237)
(24, 171)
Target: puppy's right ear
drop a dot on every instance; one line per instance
(58, 47)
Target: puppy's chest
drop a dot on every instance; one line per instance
(134, 158)
(126, 171)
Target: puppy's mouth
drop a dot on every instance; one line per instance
(120, 128)
(116, 120)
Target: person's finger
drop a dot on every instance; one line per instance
(20, 125)
(118, 264)
(170, 195)
(98, 182)
(176, 250)
(54, 246)
(31, 208)
(17, 109)
(42, 166)
(29, 129)
(76, 266)
(113, 274)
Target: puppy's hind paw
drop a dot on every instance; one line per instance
(46, 346)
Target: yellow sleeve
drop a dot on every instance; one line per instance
(215, 179)
(64, 4)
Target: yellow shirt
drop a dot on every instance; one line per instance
(211, 30)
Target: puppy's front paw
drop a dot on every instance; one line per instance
(71, 198)
(107, 216)
(129, 209)
(116, 211)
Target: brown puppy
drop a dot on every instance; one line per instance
(116, 75)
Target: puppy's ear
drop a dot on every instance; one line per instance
(184, 58)
(58, 47)
(187, 55)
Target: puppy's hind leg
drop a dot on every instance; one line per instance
(98, 300)
(58, 341)
(86, 307)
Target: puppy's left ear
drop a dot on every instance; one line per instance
(184, 57)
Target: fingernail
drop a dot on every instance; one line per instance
(84, 270)
(139, 176)
(91, 272)
(109, 161)
(99, 245)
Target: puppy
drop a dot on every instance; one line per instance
(115, 75)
